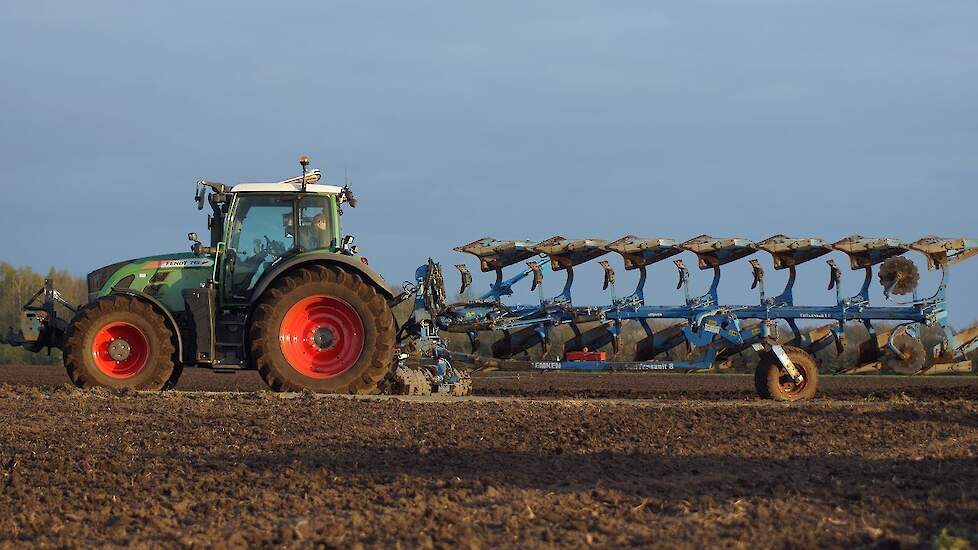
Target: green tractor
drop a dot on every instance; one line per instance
(279, 289)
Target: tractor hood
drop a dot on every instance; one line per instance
(161, 276)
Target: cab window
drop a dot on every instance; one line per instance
(260, 233)
(316, 223)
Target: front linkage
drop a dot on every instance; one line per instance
(40, 325)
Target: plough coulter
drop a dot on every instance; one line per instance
(280, 289)
(708, 330)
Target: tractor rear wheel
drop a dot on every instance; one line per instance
(323, 329)
(121, 342)
(773, 383)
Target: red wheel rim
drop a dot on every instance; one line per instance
(120, 350)
(321, 336)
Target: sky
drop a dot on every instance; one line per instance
(516, 120)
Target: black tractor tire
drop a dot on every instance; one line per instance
(337, 288)
(771, 383)
(151, 363)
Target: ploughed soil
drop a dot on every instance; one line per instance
(893, 462)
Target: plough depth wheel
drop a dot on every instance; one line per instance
(771, 382)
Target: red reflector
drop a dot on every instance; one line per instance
(364, 260)
(586, 356)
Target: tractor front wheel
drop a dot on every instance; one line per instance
(121, 342)
(771, 382)
(323, 329)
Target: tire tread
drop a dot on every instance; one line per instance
(376, 360)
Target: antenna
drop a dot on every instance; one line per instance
(304, 162)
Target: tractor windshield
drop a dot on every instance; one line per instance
(261, 232)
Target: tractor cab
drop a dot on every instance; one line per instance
(257, 226)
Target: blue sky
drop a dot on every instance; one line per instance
(458, 120)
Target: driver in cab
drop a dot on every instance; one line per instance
(315, 235)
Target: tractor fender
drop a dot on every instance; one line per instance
(351, 263)
(170, 319)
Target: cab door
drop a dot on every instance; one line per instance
(261, 232)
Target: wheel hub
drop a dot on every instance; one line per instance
(119, 350)
(323, 338)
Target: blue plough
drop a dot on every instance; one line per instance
(710, 330)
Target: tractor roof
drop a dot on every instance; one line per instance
(292, 185)
(284, 187)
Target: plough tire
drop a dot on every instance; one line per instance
(121, 342)
(323, 329)
(771, 383)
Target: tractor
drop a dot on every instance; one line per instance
(279, 289)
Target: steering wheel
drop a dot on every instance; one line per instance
(276, 248)
(270, 247)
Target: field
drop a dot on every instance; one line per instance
(535, 460)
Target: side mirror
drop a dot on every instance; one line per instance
(200, 195)
(348, 195)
